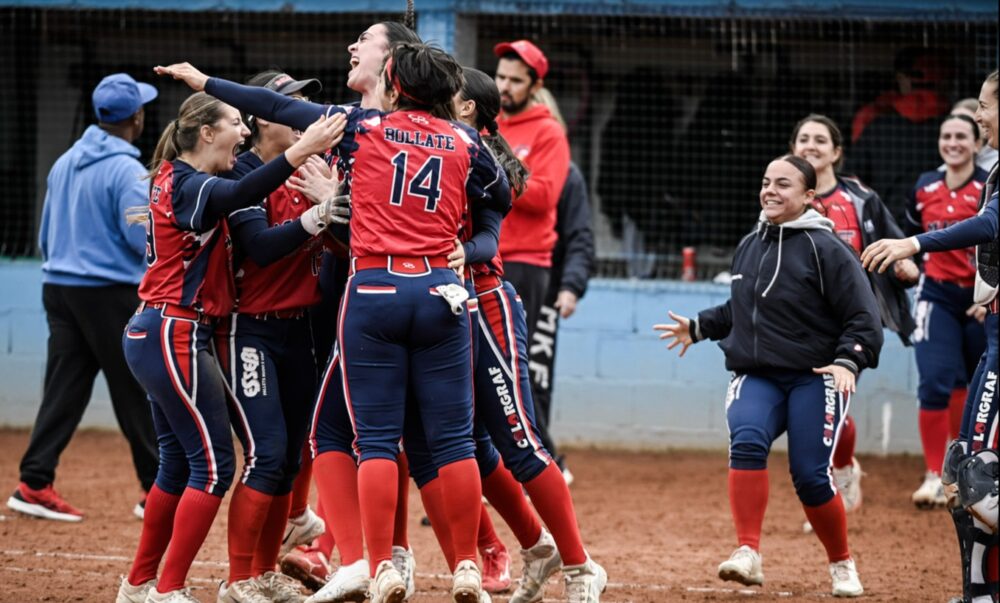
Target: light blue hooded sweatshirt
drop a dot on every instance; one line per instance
(84, 238)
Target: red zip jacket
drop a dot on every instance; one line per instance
(529, 231)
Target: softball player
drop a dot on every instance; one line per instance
(265, 352)
(504, 409)
(971, 459)
(801, 323)
(949, 339)
(187, 287)
(859, 217)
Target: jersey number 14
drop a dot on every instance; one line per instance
(425, 183)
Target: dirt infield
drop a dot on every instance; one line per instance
(658, 522)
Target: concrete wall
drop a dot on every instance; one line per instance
(616, 385)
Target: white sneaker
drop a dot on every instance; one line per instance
(387, 585)
(348, 583)
(467, 583)
(848, 482)
(540, 563)
(585, 583)
(134, 594)
(242, 591)
(182, 595)
(743, 566)
(405, 563)
(931, 493)
(302, 530)
(281, 588)
(845, 579)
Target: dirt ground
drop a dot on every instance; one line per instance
(659, 523)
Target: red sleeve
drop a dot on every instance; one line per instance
(548, 164)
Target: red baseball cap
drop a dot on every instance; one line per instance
(529, 53)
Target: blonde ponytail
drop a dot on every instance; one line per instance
(182, 134)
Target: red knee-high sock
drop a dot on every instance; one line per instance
(300, 489)
(843, 454)
(748, 491)
(552, 500)
(248, 509)
(400, 532)
(377, 489)
(462, 493)
(195, 513)
(157, 525)
(326, 540)
(430, 495)
(265, 555)
(487, 532)
(506, 496)
(956, 406)
(829, 521)
(337, 482)
(934, 437)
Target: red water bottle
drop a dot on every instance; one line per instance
(688, 265)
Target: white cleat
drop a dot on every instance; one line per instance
(387, 585)
(930, 494)
(348, 583)
(467, 583)
(134, 594)
(585, 583)
(182, 595)
(541, 562)
(848, 482)
(302, 530)
(743, 566)
(406, 564)
(250, 590)
(845, 579)
(280, 588)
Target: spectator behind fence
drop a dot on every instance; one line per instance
(894, 137)
(986, 156)
(93, 259)
(572, 265)
(528, 234)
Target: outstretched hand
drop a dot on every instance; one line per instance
(316, 180)
(186, 72)
(679, 331)
(843, 379)
(322, 134)
(881, 254)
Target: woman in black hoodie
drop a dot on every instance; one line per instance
(800, 324)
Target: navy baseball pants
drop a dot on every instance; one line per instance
(980, 420)
(760, 406)
(170, 358)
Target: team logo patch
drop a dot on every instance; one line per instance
(252, 377)
(418, 119)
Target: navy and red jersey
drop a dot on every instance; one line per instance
(837, 206)
(188, 253)
(933, 206)
(410, 175)
(291, 282)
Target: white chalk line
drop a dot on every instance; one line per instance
(433, 576)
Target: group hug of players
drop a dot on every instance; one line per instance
(383, 218)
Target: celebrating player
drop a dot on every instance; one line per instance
(800, 325)
(850, 204)
(949, 340)
(188, 285)
(969, 473)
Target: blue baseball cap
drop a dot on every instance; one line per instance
(118, 97)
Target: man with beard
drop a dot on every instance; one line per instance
(528, 234)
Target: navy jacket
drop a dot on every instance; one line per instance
(573, 256)
(799, 300)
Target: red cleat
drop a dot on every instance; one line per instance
(308, 565)
(496, 569)
(45, 503)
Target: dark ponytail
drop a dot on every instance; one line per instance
(482, 90)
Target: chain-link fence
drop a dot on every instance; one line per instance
(672, 119)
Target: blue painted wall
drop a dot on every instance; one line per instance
(616, 384)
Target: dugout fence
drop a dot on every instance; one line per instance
(672, 117)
